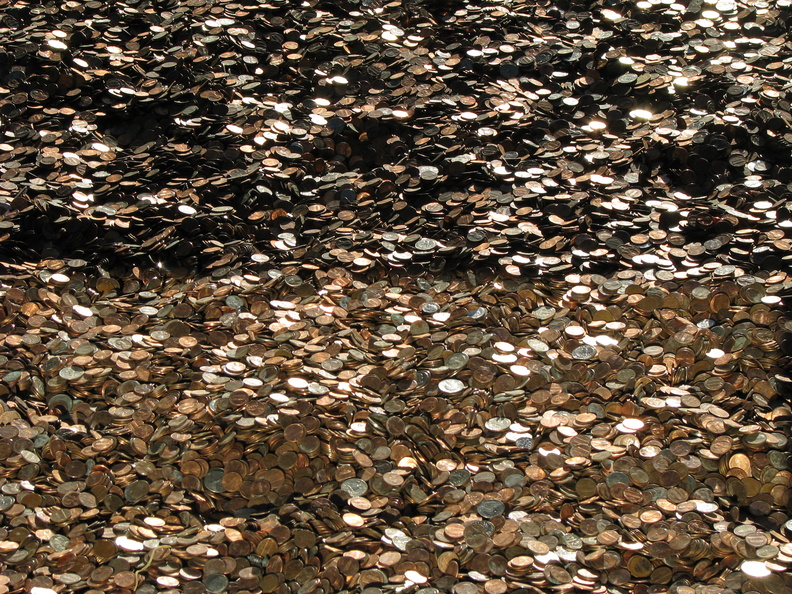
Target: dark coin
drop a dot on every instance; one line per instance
(213, 480)
(490, 508)
(355, 487)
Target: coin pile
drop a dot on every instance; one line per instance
(476, 297)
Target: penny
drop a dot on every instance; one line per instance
(640, 567)
(586, 487)
(557, 575)
(136, 491)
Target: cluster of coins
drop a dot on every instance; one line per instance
(367, 296)
(308, 430)
(540, 139)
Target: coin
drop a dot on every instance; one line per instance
(490, 508)
(355, 487)
(451, 386)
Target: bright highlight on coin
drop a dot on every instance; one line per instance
(756, 569)
(641, 114)
(451, 386)
(297, 383)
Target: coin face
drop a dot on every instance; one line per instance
(525, 443)
(584, 352)
(136, 491)
(490, 508)
(355, 487)
(213, 480)
(451, 386)
(498, 424)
